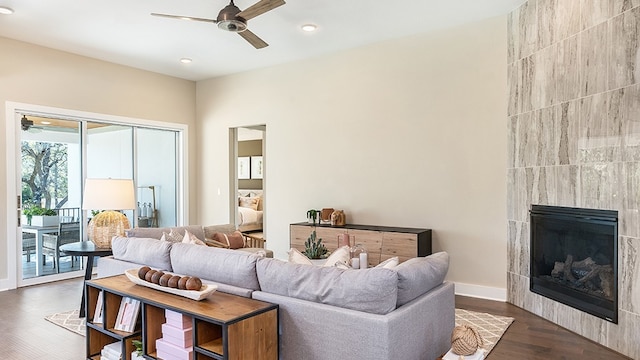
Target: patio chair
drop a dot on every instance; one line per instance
(28, 245)
(68, 232)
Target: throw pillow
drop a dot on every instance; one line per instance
(341, 255)
(296, 257)
(189, 238)
(248, 202)
(234, 240)
(172, 236)
(390, 263)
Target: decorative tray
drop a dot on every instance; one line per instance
(201, 294)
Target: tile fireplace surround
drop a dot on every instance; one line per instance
(574, 140)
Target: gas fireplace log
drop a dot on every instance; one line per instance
(577, 266)
(567, 268)
(588, 267)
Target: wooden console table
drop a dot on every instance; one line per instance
(381, 242)
(225, 326)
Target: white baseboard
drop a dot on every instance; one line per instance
(5, 285)
(482, 292)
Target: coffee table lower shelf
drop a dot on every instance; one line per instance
(224, 326)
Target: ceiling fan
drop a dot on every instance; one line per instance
(27, 125)
(232, 19)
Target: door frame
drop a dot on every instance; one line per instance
(13, 109)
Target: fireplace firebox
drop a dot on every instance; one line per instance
(574, 258)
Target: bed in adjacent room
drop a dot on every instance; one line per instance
(250, 211)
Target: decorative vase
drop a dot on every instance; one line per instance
(359, 257)
(325, 215)
(338, 218)
(346, 240)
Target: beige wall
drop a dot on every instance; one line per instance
(408, 133)
(36, 75)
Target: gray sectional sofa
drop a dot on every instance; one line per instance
(402, 313)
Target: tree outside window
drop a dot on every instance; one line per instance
(44, 174)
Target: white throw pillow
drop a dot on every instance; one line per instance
(189, 238)
(296, 257)
(341, 255)
(173, 236)
(390, 263)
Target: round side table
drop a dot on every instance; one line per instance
(90, 250)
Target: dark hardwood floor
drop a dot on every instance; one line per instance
(27, 336)
(531, 337)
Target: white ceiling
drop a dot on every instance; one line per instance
(123, 32)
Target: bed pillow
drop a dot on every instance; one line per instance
(248, 202)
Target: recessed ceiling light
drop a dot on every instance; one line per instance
(309, 27)
(185, 60)
(5, 10)
(45, 122)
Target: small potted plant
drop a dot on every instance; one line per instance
(137, 353)
(313, 216)
(39, 216)
(314, 248)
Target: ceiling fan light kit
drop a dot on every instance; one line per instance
(232, 19)
(229, 20)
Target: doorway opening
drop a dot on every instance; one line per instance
(248, 159)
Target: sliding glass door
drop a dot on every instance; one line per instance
(51, 178)
(57, 155)
(157, 177)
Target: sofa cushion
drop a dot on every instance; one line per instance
(151, 252)
(419, 275)
(370, 290)
(231, 267)
(156, 233)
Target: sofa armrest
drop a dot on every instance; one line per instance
(420, 329)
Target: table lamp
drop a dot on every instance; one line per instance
(108, 195)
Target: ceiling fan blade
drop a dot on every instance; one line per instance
(253, 39)
(185, 18)
(260, 8)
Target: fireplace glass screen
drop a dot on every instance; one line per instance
(574, 258)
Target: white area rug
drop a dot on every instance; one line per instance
(490, 327)
(68, 320)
